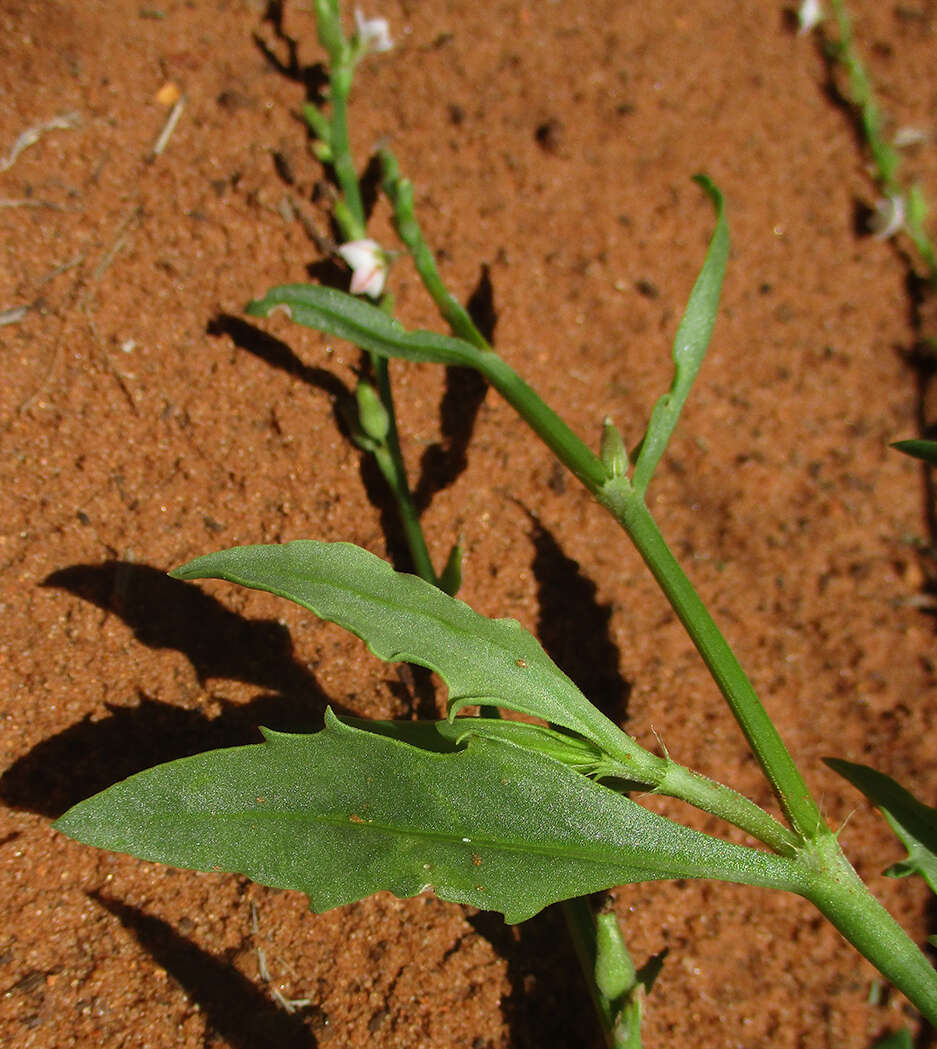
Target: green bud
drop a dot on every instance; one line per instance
(329, 27)
(451, 578)
(612, 450)
(317, 121)
(372, 415)
(614, 969)
(560, 745)
(323, 152)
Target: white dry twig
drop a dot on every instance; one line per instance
(31, 136)
(160, 144)
(29, 202)
(13, 315)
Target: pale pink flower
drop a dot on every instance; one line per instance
(809, 15)
(373, 33)
(368, 266)
(888, 218)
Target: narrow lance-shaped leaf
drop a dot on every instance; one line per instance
(913, 822)
(344, 813)
(689, 347)
(925, 450)
(346, 317)
(402, 618)
(447, 736)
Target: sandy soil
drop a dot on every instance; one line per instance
(143, 421)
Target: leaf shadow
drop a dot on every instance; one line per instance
(97, 752)
(573, 626)
(165, 613)
(233, 1006)
(277, 354)
(546, 1006)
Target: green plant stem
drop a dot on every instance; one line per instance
(352, 221)
(342, 161)
(758, 728)
(668, 777)
(389, 461)
(580, 924)
(619, 498)
(843, 899)
(400, 193)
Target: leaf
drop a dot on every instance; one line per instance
(896, 1040)
(926, 450)
(367, 326)
(344, 813)
(347, 317)
(913, 822)
(689, 347)
(447, 736)
(404, 619)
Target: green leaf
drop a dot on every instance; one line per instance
(344, 813)
(367, 326)
(689, 347)
(346, 317)
(926, 450)
(912, 821)
(447, 736)
(896, 1040)
(402, 618)
(450, 581)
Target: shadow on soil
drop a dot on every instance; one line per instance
(574, 627)
(165, 613)
(233, 1006)
(543, 1008)
(543, 971)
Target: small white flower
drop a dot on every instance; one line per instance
(888, 218)
(910, 136)
(373, 33)
(809, 15)
(368, 266)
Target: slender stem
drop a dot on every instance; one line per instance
(627, 508)
(719, 800)
(617, 496)
(841, 896)
(580, 924)
(389, 459)
(757, 726)
(549, 427)
(400, 193)
(352, 220)
(342, 160)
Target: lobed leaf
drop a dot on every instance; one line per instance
(345, 813)
(913, 822)
(402, 618)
